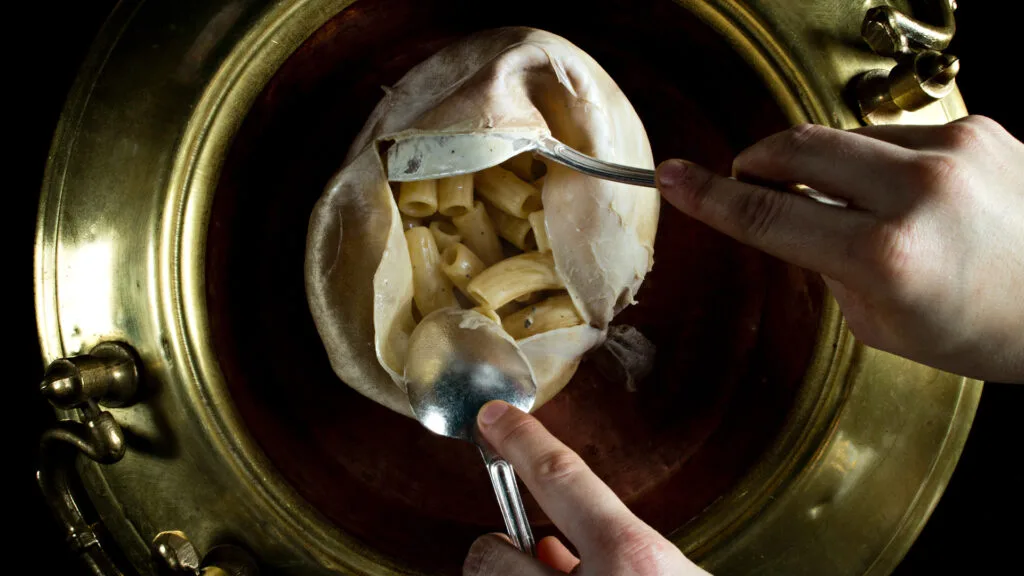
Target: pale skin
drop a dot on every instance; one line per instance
(926, 261)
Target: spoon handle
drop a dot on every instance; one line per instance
(580, 162)
(554, 150)
(503, 478)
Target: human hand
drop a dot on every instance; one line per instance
(611, 539)
(927, 261)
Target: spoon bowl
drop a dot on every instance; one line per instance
(427, 156)
(459, 360)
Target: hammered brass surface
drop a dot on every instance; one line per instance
(120, 253)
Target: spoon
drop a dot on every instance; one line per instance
(428, 156)
(459, 360)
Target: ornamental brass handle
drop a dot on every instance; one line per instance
(890, 32)
(107, 376)
(922, 74)
(180, 557)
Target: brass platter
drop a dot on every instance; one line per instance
(181, 172)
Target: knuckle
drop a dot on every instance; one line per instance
(559, 467)
(980, 133)
(800, 135)
(964, 135)
(758, 212)
(890, 253)
(933, 173)
(781, 149)
(803, 132)
(643, 552)
(894, 249)
(696, 183)
(520, 430)
(984, 123)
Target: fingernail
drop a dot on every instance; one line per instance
(670, 173)
(491, 411)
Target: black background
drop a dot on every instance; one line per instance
(975, 528)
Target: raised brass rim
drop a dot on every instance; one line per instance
(219, 115)
(928, 495)
(819, 398)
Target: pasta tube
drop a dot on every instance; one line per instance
(418, 199)
(507, 309)
(529, 298)
(514, 277)
(551, 314)
(460, 265)
(489, 313)
(540, 231)
(521, 165)
(445, 234)
(410, 222)
(507, 192)
(478, 234)
(455, 195)
(432, 290)
(515, 230)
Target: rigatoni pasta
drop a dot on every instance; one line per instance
(507, 192)
(529, 298)
(432, 290)
(418, 199)
(523, 165)
(445, 234)
(550, 314)
(410, 222)
(488, 313)
(478, 234)
(514, 277)
(472, 258)
(461, 265)
(516, 230)
(455, 195)
(540, 231)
